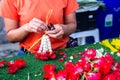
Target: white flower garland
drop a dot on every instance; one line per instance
(45, 45)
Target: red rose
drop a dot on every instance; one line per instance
(12, 69)
(11, 63)
(49, 67)
(20, 63)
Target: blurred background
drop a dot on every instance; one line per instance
(7, 49)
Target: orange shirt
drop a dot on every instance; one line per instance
(25, 10)
(0, 8)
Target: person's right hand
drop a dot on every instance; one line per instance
(36, 25)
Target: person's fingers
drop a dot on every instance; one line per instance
(58, 35)
(37, 20)
(36, 25)
(39, 23)
(55, 33)
(32, 28)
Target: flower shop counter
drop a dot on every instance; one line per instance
(32, 68)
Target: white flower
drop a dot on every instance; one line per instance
(71, 57)
(118, 54)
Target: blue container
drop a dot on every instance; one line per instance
(108, 21)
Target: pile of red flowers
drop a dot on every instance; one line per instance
(45, 56)
(14, 66)
(88, 67)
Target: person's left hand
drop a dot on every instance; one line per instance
(58, 32)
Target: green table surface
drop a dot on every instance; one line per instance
(34, 66)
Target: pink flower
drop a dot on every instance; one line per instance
(78, 68)
(90, 53)
(109, 58)
(116, 67)
(93, 76)
(61, 75)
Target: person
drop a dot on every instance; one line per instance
(25, 22)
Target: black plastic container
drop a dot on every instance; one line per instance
(86, 20)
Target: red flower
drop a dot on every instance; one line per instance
(87, 67)
(49, 75)
(62, 53)
(73, 76)
(41, 56)
(45, 56)
(110, 77)
(65, 56)
(12, 69)
(51, 55)
(20, 63)
(69, 67)
(15, 65)
(61, 60)
(119, 51)
(49, 67)
(11, 63)
(82, 62)
(2, 63)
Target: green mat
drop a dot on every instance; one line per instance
(34, 66)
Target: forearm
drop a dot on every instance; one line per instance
(70, 24)
(18, 34)
(69, 28)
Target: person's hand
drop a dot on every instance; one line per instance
(58, 32)
(36, 25)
